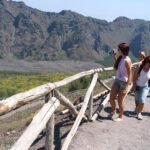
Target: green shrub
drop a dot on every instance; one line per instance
(81, 83)
(13, 82)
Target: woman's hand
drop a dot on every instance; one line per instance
(133, 88)
(127, 88)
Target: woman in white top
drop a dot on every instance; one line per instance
(122, 81)
(141, 85)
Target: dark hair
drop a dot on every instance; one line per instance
(124, 48)
(145, 61)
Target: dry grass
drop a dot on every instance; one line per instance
(11, 127)
(18, 120)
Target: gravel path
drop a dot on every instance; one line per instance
(104, 134)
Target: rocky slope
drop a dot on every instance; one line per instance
(27, 33)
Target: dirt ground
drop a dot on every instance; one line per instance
(104, 134)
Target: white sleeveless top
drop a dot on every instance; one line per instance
(122, 70)
(143, 78)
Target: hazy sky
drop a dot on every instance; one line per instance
(100, 9)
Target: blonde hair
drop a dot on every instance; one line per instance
(142, 54)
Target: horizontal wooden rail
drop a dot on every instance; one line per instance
(20, 99)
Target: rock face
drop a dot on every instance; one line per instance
(27, 33)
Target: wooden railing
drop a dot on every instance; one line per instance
(53, 98)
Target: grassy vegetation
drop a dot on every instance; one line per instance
(24, 118)
(14, 82)
(107, 74)
(15, 124)
(107, 62)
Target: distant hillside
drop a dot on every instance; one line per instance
(27, 33)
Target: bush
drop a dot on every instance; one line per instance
(13, 82)
(81, 83)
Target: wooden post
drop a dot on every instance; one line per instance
(81, 114)
(101, 106)
(49, 141)
(36, 126)
(66, 102)
(103, 84)
(90, 107)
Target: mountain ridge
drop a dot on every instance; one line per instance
(31, 34)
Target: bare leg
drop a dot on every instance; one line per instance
(140, 107)
(136, 104)
(113, 94)
(121, 97)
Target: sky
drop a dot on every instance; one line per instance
(101, 9)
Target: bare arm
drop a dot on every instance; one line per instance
(135, 75)
(115, 57)
(128, 65)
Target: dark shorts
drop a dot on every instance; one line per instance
(121, 84)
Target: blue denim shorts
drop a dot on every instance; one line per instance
(121, 84)
(141, 94)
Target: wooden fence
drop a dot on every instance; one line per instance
(53, 98)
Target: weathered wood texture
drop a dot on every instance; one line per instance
(66, 102)
(20, 99)
(49, 140)
(23, 98)
(90, 107)
(80, 104)
(103, 84)
(37, 125)
(81, 113)
(101, 106)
